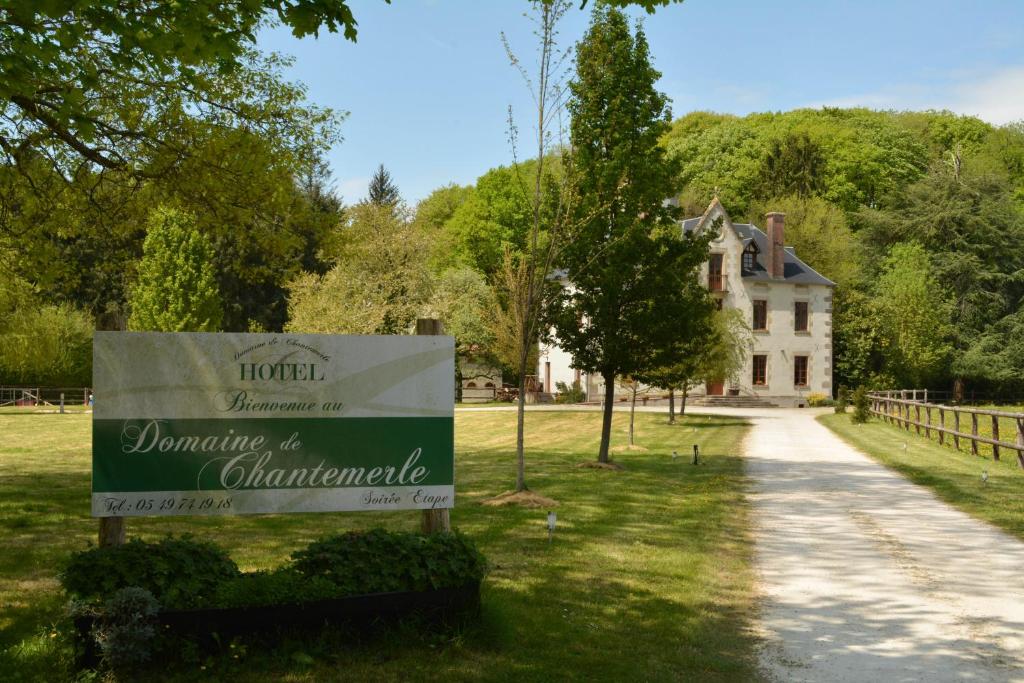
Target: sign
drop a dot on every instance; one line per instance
(213, 424)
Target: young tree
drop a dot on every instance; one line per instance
(526, 274)
(634, 293)
(177, 286)
(383, 191)
(718, 356)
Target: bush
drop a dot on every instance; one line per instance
(861, 405)
(380, 561)
(126, 628)
(567, 394)
(816, 400)
(180, 572)
(841, 400)
(282, 586)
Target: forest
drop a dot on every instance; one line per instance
(917, 216)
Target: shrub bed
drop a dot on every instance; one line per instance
(184, 582)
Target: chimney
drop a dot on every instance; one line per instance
(776, 256)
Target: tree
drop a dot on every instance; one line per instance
(246, 183)
(634, 291)
(378, 285)
(794, 165)
(819, 233)
(717, 356)
(913, 312)
(177, 287)
(77, 79)
(463, 301)
(43, 344)
(526, 274)
(383, 191)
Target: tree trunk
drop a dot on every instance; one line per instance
(632, 413)
(606, 423)
(671, 406)
(682, 403)
(520, 424)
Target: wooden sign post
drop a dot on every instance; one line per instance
(434, 521)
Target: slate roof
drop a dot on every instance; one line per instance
(794, 270)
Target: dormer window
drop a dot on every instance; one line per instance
(749, 257)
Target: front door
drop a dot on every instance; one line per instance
(715, 388)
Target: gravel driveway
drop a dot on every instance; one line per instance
(868, 577)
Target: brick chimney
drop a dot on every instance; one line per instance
(776, 256)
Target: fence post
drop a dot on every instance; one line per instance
(974, 433)
(433, 520)
(917, 416)
(995, 436)
(1020, 441)
(927, 422)
(942, 426)
(956, 428)
(62, 403)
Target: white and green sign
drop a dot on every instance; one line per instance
(191, 423)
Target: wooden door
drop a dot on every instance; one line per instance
(715, 388)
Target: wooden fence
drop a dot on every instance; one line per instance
(893, 407)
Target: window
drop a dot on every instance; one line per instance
(716, 281)
(800, 371)
(749, 257)
(800, 316)
(760, 378)
(760, 314)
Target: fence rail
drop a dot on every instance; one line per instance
(43, 396)
(907, 413)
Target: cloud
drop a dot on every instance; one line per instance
(993, 96)
(353, 189)
(997, 99)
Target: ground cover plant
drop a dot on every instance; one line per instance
(648, 576)
(955, 476)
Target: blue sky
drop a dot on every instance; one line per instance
(427, 85)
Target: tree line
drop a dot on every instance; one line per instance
(915, 215)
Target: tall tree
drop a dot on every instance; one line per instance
(383, 191)
(177, 287)
(634, 290)
(913, 310)
(79, 80)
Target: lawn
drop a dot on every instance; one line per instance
(648, 578)
(955, 476)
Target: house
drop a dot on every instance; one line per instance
(786, 303)
(479, 381)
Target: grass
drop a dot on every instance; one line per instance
(953, 475)
(648, 578)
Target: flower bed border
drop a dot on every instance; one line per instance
(213, 626)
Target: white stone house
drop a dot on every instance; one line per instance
(787, 304)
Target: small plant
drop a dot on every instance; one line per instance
(841, 400)
(126, 628)
(861, 406)
(569, 394)
(817, 400)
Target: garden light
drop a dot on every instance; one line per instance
(552, 519)
(984, 477)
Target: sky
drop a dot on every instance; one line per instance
(427, 86)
